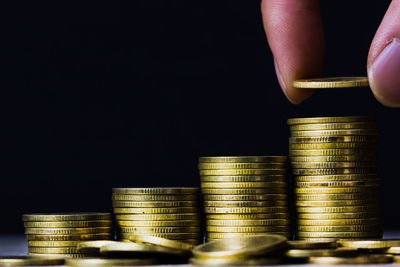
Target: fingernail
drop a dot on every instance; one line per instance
(282, 82)
(384, 75)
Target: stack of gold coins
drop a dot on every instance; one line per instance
(245, 196)
(171, 213)
(333, 162)
(59, 234)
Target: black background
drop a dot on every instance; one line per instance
(98, 95)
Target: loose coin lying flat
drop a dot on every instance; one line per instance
(244, 246)
(29, 261)
(369, 244)
(93, 247)
(56, 217)
(158, 241)
(365, 259)
(306, 253)
(393, 250)
(156, 190)
(135, 248)
(245, 159)
(307, 244)
(332, 82)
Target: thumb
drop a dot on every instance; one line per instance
(384, 58)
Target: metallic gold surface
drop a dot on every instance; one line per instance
(67, 231)
(244, 178)
(254, 222)
(244, 159)
(57, 217)
(365, 259)
(155, 210)
(262, 197)
(306, 253)
(154, 204)
(156, 190)
(226, 204)
(218, 166)
(110, 262)
(69, 224)
(240, 185)
(333, 126)
(244, 191)
(347, 119)
(158, 217)
(332, 82)
(29, 261)
(243, 172)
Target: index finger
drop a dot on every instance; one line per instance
(295, 35)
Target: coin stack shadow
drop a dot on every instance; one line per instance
(171, 213)
(333, 162)
(245, 196)
(59, 234)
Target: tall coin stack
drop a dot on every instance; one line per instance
(245, 196)
(171, 213)
(59, 234)
(333, 162)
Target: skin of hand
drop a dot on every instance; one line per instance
(296, 37)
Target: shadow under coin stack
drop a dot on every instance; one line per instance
(245, 196)
(171, 213)
(59, 234)
(333, 161)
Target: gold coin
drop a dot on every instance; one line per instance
(173, 236)
(67, 231)
(226, 204)
(82, 237)
(337, 203)
(364, 259)
(158, 217)
(344, 158)
(248, 178)
(69, 224)
(253, 222)
(158, 241)
(57, 217)
(333, 171)
(53, 243)
(246, 210)
(264, 197)
(337, 190)
(333, 139)
(333, 197)
(333, 126)
(66, 250)
(55, 256)
(245, 159)
(156, 191)
(241, 235)
(369, 244)
(336, 228)
(150, 230)
(336, 184)
(181, 197)
(331, 82)
(247, 229)
(243, 172)
(244, 191)
(372, 234)
(373, 132)
(235, 261)
(396, 259)
(218, 166)
(306, 253)
(135, 248)
(249, 216)
(158, 223)
(155, 210)
(306, 244)
(154, 204)
(347, 119)
(243, 246)
(332, 152)
(333, 178)
(371, 221)
(29, 261)
(336, 209)
(330, 165)
(227, 185)
(110, 262)
(92, 247)
(334, 216)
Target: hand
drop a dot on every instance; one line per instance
(295, 35)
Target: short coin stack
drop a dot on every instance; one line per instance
(333, 161)
(59, 234)
(171, 213)
(245, 196)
